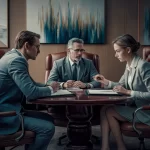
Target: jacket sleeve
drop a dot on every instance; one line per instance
(18, 70)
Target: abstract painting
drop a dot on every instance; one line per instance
(3, 23)
(57, 21)
(144, 22)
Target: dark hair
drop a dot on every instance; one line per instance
(25, 36)
(127, 40)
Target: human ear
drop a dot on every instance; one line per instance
(26, 45)
(129, 49)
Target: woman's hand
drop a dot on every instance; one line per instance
(122, 90)
(101, 78)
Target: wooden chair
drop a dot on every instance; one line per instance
(19, 138)
(146, 53)
(2, 52)
(139, 130)
(58, 112)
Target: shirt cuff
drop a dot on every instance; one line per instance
(91, 85)
(108, 86)
(61, 85)
(132, 93)
(52, 91)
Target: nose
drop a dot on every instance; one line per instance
(116, 55)
(79, 52)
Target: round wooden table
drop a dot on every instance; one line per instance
(79, 114)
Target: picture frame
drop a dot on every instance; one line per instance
(57, 21)
(144, 22)
(4, 30)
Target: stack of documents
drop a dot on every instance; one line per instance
(102, 92)
(62, 93)
(74, 89)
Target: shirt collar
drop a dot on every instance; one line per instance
(71, 62)
(132, 64)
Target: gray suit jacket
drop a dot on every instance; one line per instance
(15, 84)
(61, 71)
(140, 76)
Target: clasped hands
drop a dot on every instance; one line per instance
(76, 84)
(118, 88)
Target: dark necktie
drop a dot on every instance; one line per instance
(74, 72)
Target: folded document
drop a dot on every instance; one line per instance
(102, 92)
(62, 93)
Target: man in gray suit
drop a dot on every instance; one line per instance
(73, 70)
(16, 83)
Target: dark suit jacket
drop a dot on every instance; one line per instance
(15, 84)
(61, 71)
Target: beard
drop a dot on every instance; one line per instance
(77, 59)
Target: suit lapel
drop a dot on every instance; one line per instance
(82, 69)
(135, 63)
(126, 79)
(68, 68)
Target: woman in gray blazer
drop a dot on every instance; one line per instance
(135, 82)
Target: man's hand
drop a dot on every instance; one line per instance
(55, 86)
(122, 90)
(79, 84)
(68, 84)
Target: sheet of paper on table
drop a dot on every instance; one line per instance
(62, 93)
(74, 89)
(102, 92)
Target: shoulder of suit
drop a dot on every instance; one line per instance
(142, 64)
(13, 55)
(60, 60)
(86, 60)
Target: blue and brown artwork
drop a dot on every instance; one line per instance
(59, 20)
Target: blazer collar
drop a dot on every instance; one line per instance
(134, 65)
(135, 61)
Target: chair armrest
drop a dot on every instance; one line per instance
(13, 113)
(8, 114)
(145, 107)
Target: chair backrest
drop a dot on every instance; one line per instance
(55, 56)
(2, 52)
(146, 53)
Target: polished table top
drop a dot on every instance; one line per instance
(81, 98)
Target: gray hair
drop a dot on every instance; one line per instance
(73, 40)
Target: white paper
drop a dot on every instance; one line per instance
(61, 92)
(102, 92)
(74, 89)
